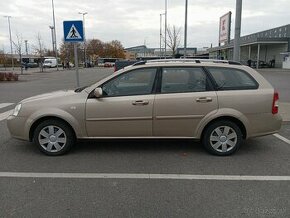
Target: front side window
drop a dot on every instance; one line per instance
(136, 82)
(183, 79)
(232, 79)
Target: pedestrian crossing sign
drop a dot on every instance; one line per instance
(73, 31)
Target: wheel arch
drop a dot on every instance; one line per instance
(235, 120)
(42, 119)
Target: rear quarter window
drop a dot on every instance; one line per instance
(232, 79)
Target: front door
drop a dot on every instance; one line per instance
(126, 108)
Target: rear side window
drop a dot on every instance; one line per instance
(232, 79)
(183, 79)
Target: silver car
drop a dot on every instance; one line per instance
(218, 103)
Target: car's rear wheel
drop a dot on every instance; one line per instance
(53, 137)
(222, 138)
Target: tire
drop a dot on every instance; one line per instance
(222, 138)
(53, 137)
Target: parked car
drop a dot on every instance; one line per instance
(32, 64)
(51, 62)
(219, 103)
(109, 64)
(120, 64)
(29, 65)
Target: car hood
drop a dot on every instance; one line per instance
(50, 95)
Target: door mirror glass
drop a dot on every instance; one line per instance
(98, 92)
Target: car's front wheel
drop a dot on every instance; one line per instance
(222, 138)
(53, 137)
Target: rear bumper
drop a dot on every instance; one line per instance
(264, 124)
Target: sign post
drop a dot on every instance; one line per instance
(74, 32)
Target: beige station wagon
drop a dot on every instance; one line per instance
(220, 103)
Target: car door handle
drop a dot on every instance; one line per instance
(204, 99)
(140, 102)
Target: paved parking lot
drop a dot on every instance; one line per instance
(130, 178)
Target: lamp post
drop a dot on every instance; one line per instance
(52, 40)
(238, 30)
(55, 46)
(85, 50)
(185, 28)
(26, 46)
(165, 35)
(12, 61)
(161, 34)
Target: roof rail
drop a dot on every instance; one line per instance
(193, 60)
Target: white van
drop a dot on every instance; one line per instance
(51, 62)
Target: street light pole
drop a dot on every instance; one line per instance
(55, 46)
(237, 30)
(51, 28)
(161, 35)
(85, 50)
(26, 47)
(12, 61)
(185, 28)
(165, 35)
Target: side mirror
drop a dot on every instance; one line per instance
(98, 92)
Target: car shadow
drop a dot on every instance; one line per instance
(137, 146)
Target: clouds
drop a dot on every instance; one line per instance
(132, 22)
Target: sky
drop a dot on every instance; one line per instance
(135, 22)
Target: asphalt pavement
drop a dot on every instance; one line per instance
(116, 178)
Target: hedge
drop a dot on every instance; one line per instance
(8, 76)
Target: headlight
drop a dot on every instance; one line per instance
(16, 110)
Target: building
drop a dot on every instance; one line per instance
(271, 47)
(140, 51)
(143, 52)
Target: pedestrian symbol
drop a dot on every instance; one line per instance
(73, 31)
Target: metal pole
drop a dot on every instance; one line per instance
(165, 34)
(26, 48)
(185, 28)
(85, 51)
(11, 49)
(160, 35)
(258, 56)
(55, 46)
(238, 30)
(76, 64)
(52, 40)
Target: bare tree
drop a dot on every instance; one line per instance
(39, 50)
(173, 38)
(18, 47)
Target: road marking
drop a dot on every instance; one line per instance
(282, 138)
(2, 105)
(4, 115)
(141, 176)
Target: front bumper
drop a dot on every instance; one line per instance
(17, 127)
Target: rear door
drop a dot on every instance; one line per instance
(185, 97)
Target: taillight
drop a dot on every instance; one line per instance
(275, 105)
